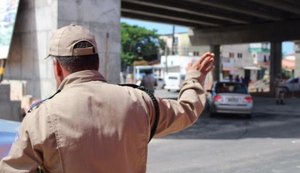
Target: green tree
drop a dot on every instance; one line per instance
(139, 43)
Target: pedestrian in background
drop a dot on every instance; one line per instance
(246, 81)
(237, 78)
(279, 90)
(148, 81)
(92, 126)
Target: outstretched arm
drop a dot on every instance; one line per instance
(176, 115)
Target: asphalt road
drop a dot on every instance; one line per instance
(267, 143)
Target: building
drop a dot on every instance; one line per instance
(245, 60)
(288, 65)
(182, 45)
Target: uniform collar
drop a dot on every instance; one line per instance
(81, 77)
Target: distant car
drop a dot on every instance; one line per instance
(173, 81)
(8, 134)
(230, 98)
(291, 85)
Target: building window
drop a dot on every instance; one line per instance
(196, 53)
(231, 55)
(240, 55)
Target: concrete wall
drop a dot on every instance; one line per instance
(36, 20)
(26, 61)
(245, 60)
(9, 110)
(101, 17)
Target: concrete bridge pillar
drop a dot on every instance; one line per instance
(297, 60)
(275, 62)
(35, 22)
(217, 71)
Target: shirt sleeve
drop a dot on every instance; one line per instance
(176, 115)
(23, 157)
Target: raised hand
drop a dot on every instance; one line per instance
(204, 65)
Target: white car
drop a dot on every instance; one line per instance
(174, 81)
(291, 85)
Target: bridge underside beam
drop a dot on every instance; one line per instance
(268, 32)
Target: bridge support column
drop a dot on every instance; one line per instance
(275, 63)
(297, 60)
(31, 37)
(217, 71)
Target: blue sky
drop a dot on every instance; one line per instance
(160, 27)
(287, 47)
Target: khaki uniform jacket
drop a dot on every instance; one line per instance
(95, 127)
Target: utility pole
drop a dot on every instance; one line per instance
(173, 40)
(166, 56)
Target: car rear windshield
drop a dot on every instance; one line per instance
(231, 88)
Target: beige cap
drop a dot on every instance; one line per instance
(63, 40)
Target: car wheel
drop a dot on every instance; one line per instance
(249, 116)
(212, 114)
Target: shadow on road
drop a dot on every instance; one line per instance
(261, 125)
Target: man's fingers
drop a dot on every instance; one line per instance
(209, 68)
(204, 60)
(206, 64)
(204, 56)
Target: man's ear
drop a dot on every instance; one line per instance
(58, 71)
(57, 68)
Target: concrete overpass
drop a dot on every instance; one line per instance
(213, 23)
(226, 22)
(221, 21)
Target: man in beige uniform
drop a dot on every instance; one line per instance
(92, 126)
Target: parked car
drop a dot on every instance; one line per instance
(8, 134)
(174, 81)
(291, 85)
(229, 98)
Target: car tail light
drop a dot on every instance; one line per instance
(248, 99)
(217, 98)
